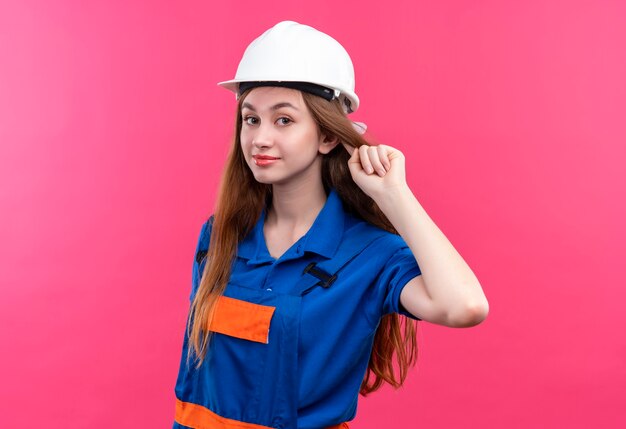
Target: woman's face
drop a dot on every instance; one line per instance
(279, 137)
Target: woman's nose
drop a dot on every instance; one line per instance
(263, 136)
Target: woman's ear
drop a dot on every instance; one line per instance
(327, 143)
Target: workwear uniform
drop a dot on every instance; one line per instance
(292, 336)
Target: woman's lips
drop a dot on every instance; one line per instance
(264, 160)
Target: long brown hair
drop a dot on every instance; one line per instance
(240, 202)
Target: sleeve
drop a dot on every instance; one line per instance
(399, 269)
(199, 259)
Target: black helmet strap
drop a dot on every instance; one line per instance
(311, 88)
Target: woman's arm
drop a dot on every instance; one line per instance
(447, 293)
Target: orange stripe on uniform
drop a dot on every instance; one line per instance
(242, 319)
(199, 417)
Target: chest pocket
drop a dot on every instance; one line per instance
(251, 352)
(242, 319)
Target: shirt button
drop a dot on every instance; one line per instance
(299, 248)
(269, 289)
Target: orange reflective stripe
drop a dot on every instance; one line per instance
(199, 417)
(242, 319)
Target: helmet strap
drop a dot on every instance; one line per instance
(311, 88)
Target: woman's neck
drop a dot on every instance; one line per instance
(296, 206)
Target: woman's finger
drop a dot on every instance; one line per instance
(383, 154)
(354, 163)
(349, 148)
(376, 161)
(365, 159)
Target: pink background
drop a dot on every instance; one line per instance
(113, 134)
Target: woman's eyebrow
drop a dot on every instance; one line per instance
(283, 104)
(274, 107)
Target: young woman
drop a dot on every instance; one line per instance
(306, 281)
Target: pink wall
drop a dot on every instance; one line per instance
(112, 137)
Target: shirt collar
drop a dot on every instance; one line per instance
(322, 238)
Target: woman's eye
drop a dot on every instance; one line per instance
(284, 121)
(250, 120)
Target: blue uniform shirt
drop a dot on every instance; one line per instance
(337, 324)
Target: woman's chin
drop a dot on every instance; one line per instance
(266, 179)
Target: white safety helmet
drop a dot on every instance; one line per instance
(297, 56)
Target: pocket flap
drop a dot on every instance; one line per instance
(242, 319)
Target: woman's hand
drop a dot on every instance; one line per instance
(447, 292)
(377, 170)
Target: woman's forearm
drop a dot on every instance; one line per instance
(450, 284)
